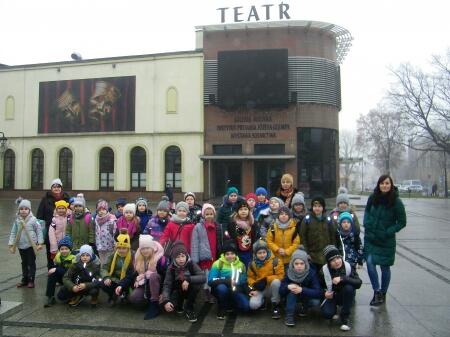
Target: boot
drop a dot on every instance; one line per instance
(376, 298)
(276, 313)
(382, 297)
(152, 310)
(50, 302)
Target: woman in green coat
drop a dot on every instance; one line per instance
(383, 217)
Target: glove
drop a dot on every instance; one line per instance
(260, 285)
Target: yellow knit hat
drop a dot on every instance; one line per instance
(123, 241)
(61, 203)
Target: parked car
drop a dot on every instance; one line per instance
(412, 185)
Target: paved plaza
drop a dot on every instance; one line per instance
(418, 301)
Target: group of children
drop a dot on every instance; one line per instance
(255, 252)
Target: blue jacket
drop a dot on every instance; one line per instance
(310, 285)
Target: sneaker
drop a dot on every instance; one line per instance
(50, 301)
(220, 314)
(335, 317)
(289, 320)
(345, 326)
(21, 284)
(94, 301)
(302, 311)
(191, 315)
(30, 285)
(276, 314)
(76, 300)
(179, 310)
(112, 301)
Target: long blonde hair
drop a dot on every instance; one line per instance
(155, 255)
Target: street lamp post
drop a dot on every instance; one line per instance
(3, 143)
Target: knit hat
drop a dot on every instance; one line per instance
(207, 206)
(146, 241)
(123, 241)
(342, 196)
(79, 202)
(86, 249)
(260, 244)
(240, 204)
(102, 204)
(251, 195)
(141, 200)
(163, 204)
(286, 210)
(345, 215)
(318, 199)
(229, 246)
(330, 252)
(61, 203)
(261, 190)
(298, 198)
(232, 189)
(182, 204)
(177, 249)
(56, 181)
(71, 200)
(65, 241)
(129, 207)
(121, 202)
(23, 203)
(288, 177)
(280, 202)
(187, 194)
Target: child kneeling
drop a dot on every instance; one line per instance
(264, 275)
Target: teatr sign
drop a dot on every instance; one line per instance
(254, 13)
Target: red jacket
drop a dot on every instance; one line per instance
(185, 234)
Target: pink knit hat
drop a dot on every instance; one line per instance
(205, 207)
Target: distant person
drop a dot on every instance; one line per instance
(384, 216)
(434, 190)
(168, 191)
(195, 210)
(287, 189)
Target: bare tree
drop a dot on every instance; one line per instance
(382, 132)
(349, 152)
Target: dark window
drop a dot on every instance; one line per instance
(173, 167)
(37, 169)
(227, 149)
(317, 156)
(138, 166)
(106, 172)
(9, 167)
(65, 168)
(269, 148)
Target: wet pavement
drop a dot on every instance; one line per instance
(418, 300)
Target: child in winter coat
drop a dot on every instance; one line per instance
(159, 221)
(282, 237)
(261, 202)
(287, 189)
(80, 226)
(251, 202)
(300, 284)
(180, 227)
(143, 212)
(195, 210)
(120, 204)
(206, 243)
(183, 281)
(228, 281)
(82, 279)
(26, 235)
(298, 208)
(243, 231)
(348, 242)
(317, 231)
(228, 207)
(341, 280)
(150, 267)
(118, 270)
(264, 276)
(343, 205)
(129, 224)
(268, 216)
(63, 260)
(57, 228)
(105, 228)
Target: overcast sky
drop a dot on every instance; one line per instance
(386, 33)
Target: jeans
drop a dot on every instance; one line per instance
(344, 297)
(373, 275)
(292, 299)
(227, 298)
(272, 291)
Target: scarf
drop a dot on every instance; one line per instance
(180, 270)
(144, 217)
(178, 220)
(131, 226)
(297, 277)
(125, 264)
(243, 224)
(259, 263)
(287, 194)
(58, 196)
(282, 225)
(78, 215)
(101, 220)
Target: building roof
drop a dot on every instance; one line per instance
(343, 37)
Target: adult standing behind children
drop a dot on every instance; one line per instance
(384, 216)
(287, 189)
(47, 207)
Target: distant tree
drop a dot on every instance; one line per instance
(349, 152)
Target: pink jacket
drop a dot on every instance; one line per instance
(56, 231)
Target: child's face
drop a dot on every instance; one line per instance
(120, 208)
(209, 215)
(78, 208)
(298, 208)
(251, 202)
(190, 200)
(61, 211)
(230, 256)
(146, 251)
(162, 214)
(283, 217)
(317, 208)
(85, 258)
(141, 208)
(102, 212)
(65, 251)
(336, 263)
(346, 225)
(342, 206)
(285, 184)
(261, 198)
(243, 212)
(122, 251)
(299, 265)
(261, 254)
(23, 212)
(182, 213)
(129, 215)
(181, 259)
(274, 205)
(233, 197)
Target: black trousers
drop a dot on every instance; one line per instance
(54, 278)
(28, 258)
(178, 296)
(65, 294)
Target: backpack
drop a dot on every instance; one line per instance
(87, 219)
(296, 231)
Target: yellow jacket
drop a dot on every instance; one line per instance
(286, 238)
(255, 274)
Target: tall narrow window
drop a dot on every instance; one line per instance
(106, 172)
(37, 169)
(10, 107)
(173, 167)
(138, 160)
(172, 100)
(9, 169)
(65, 168)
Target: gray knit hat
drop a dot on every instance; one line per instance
(164, 204)
(342, 196)
(187, 194)
(182, 204)
(298, 198)
(79, 201)
(141, 200)
(260, 244)
(23, 203)
(280, 202)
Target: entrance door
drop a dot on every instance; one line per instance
(225, 174)
(268, 174)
